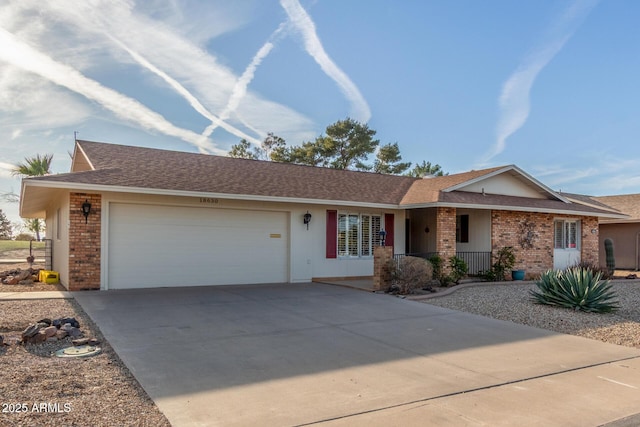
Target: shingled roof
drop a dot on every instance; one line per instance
(101, 166)
(628, 204)
(138, 167)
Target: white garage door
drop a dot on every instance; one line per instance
(157, 246)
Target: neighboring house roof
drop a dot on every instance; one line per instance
(628, 204)
(100, 166)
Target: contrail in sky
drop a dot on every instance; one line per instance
(514, 102)
(240, 88)
(192, 100)
(303, 23)
(25, 57)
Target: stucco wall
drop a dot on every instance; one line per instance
(625, 239)
(58, 231)
(307, 248)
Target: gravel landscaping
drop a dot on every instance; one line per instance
(511, 302)
(39, 389)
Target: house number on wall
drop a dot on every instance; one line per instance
(208, 200)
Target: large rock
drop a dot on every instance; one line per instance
(72, 331)
(63, 320)
(50, 331)
(38, 338)
(24, 275)
(30, 331)
(60, 334)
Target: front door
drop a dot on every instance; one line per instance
(566, 252)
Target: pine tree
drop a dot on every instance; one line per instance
(6, 230)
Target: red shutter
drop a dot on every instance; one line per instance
(388, 227)
(332, 234)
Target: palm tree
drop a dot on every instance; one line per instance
(34, 166)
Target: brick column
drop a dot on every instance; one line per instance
(84, 242)
(446, 235)
(589, 243)
(381, 277)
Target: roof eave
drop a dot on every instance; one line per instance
(181, 193)
(512, 208)
(507, 169)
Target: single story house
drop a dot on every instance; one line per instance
(133, 217)
(623, 232)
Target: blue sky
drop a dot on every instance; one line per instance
(550, 86)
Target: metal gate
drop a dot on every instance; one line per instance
(46, 253)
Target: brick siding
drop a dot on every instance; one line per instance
(446, 235)
(84, 242)
(506, 230)
(381, 276)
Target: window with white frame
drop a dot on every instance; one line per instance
(566, 234)
(358, 234)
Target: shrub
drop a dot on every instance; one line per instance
(436, 264)
(458, 269)
(409, 274)
(576, 288)
(24, 237)
(505, 259)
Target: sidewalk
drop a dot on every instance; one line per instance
(11, 296)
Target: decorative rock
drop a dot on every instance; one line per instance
(93, 342)
(30, 331)
(50, 331)
(45, 320)
(38, 338)
(71, 320)
(72, 331)
(23, 275)
(11, 280)
(52, 339)
(60, 334)
(80, 341)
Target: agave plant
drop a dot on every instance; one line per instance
(577, 288)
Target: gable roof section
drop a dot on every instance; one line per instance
(119, 168)
(129, 168)
(429, 190)
(628, 204)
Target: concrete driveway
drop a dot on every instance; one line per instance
(299, 354)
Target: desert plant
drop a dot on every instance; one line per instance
(610, 258)
(594, 268)
(505, 259)
(409, 274)
(576, 288)
(458, 269)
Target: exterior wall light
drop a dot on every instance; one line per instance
(306, 219)
(383, 236)
(86, 210)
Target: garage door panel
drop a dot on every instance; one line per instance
(154, 246)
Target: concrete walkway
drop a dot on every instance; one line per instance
(8, 296)
(303, 354)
